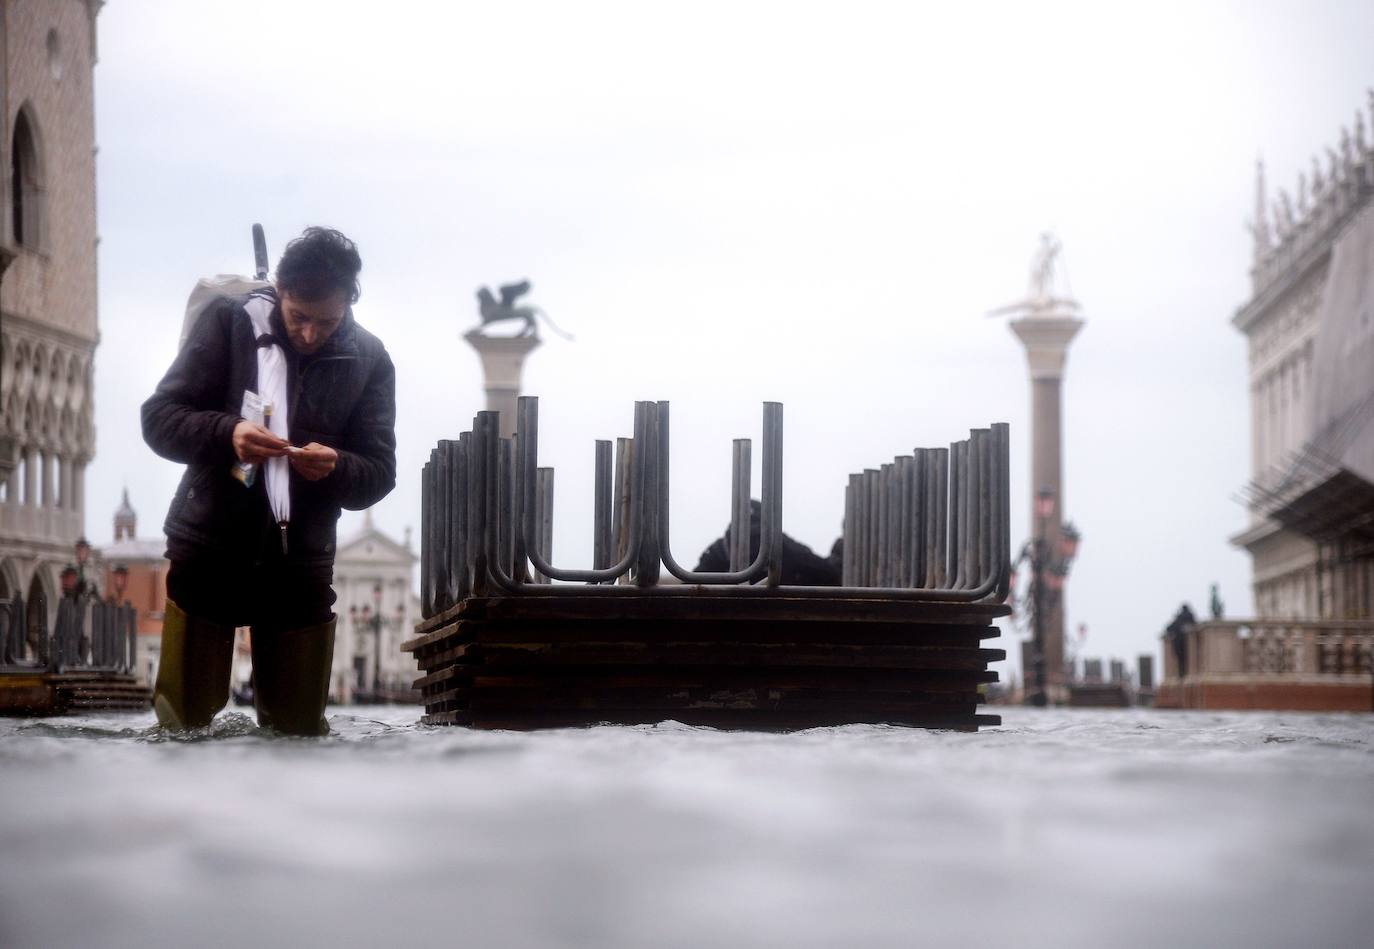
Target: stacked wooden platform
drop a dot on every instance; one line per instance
(58, 693)
(1099, 695)
(102, 691)
(768, 662)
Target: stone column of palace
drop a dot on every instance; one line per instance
(503, 358)
(1046, 334)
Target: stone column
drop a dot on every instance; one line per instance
(45, 476)
(31, 466)
(79, 495)
(1046, 334)
(503, 358)
(65, 483)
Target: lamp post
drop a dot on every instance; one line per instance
(119, 579)
(82, 549)
(377, 639)
(1049, 568)
(1044, 510)
(370, 620)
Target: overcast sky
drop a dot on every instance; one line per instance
(734, 202)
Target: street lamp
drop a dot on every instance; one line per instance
(70, 588)
(82, 549)
(377, 639)
(1044, 505)
(119, 579)
(1068, 541)
(1049, 569)
(370, 619)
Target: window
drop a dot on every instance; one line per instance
(26, 183)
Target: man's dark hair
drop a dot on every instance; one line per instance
(317, 263)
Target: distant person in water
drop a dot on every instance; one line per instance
(283, 410)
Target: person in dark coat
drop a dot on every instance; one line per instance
(801, 566)
(234, 562)
(1176, 634)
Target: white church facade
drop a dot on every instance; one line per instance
(377, 610)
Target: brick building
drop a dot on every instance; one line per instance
(145, 582)
(48, 319)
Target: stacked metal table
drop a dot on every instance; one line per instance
(502, 646)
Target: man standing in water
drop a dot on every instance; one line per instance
(283, 410)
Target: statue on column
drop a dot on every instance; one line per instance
(1040, 300)
(508, 307)
(1042, 267)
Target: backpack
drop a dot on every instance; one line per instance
(209, 289)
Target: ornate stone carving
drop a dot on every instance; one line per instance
(45, 393)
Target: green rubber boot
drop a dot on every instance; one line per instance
(291, 678)
(193, 673)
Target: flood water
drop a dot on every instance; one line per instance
(1063, 827)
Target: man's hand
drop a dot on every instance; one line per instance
(314, 461)
(255, 444)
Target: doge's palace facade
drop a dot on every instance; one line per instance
(48, 321)
(1310, 506)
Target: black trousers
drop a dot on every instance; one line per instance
(267, 593)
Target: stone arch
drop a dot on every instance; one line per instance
(9, 363)
(69, 433)
(33, 423)
(38, 381)
(72, 388)
(14, 410)
(27, 180)
(23, 367)
(51, 436)
(57, 378)
(39, 604)
(11, 639)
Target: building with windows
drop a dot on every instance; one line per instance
(143, 584)
(1309, 323)
(1310, 327)
(377, 610)
(48, 318)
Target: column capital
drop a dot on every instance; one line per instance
(503, 358)
(1047, 339)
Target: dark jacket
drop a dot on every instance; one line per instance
(344, 396)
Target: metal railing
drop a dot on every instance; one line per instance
(88, 633)
(930, 526)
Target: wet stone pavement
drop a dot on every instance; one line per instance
(1063, 827)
